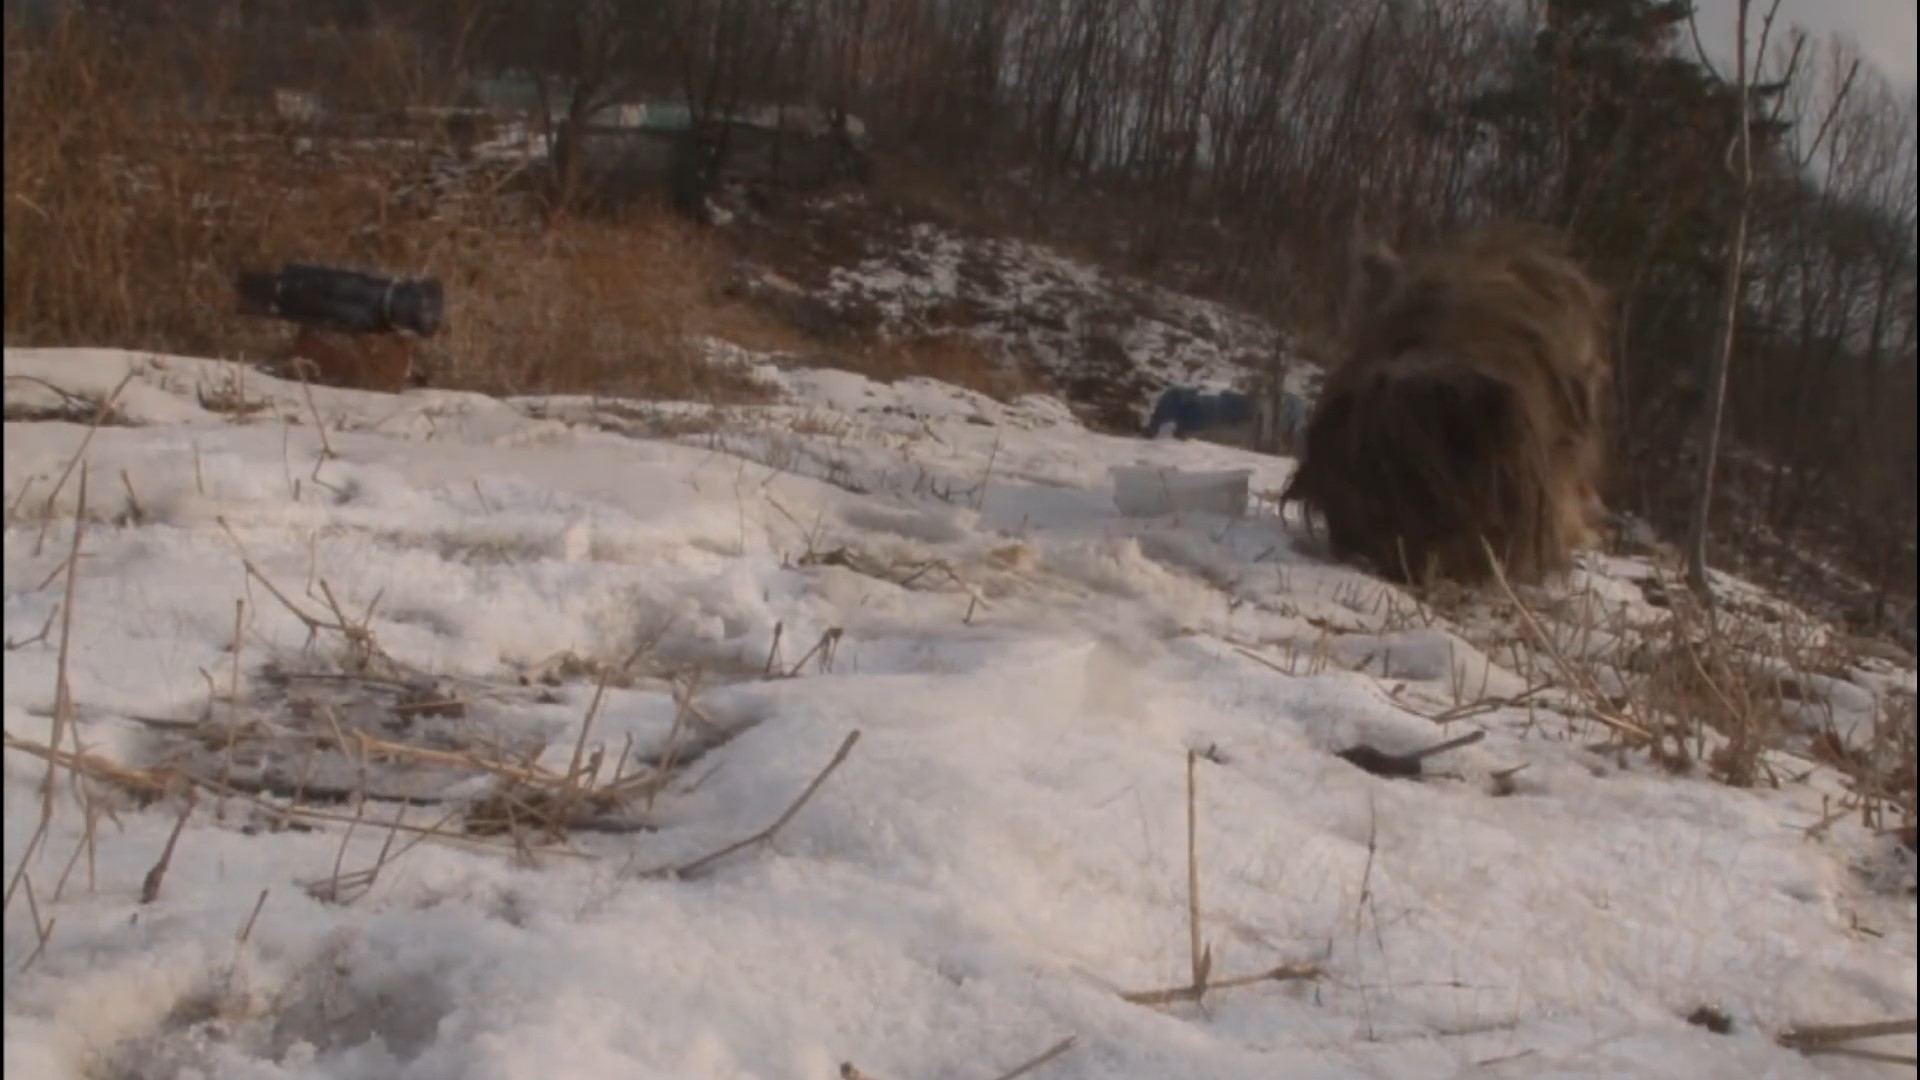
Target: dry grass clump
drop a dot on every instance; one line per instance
(314, 744)
(1753, 695)
(1763, 685)
(1695, 682)
(601, 307)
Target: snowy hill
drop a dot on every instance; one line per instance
(477, 697)
(850, 264)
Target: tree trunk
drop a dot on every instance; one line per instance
(1701, 522)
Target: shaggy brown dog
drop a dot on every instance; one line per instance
(1466, 411)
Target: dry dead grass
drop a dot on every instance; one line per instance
(1764, 685)
(295, 739)
(955, 358)
(602, 307)
(951, 356)
(135, 194)
(1745, 696)
(751, 327)
(1757, 695)
(131, 202)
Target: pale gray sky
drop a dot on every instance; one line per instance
(1883, 29)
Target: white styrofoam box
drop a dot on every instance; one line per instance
(1152, 490)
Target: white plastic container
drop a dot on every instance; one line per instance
(1156, 490)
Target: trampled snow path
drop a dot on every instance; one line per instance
(1001, 855)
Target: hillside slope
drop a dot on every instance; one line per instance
(501, 663)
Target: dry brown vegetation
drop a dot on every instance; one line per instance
(950, 357)
(1756, 694)
(132, 202)
(127, 217)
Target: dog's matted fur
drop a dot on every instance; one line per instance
(1466, 411)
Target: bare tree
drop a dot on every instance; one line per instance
(1742, 151)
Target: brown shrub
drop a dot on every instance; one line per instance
(603, 307)
(1466, 408)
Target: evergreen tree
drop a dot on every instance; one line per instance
(1604, 123)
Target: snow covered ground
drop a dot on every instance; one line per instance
(430, 592)
(1108, 341)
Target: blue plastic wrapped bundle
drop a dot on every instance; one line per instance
(345, 300)
(1192, 411)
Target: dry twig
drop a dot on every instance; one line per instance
(848, 1071)
(1200, 954)
(690, 869)
(1595, 699)
(150, 887)
(1831, 1039)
